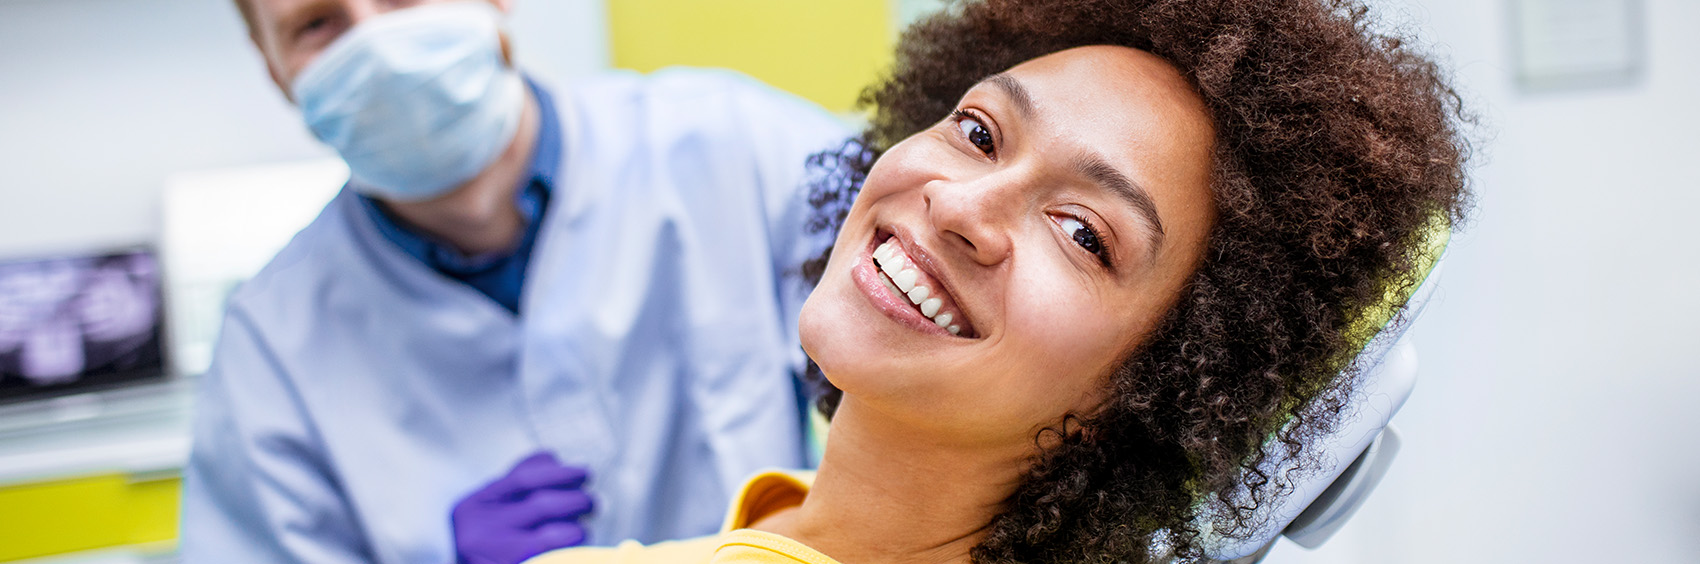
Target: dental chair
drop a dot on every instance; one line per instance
(1349, 462)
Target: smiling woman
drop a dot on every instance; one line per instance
(1089, 257)
(1057, 271)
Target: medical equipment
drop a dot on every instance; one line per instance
(1351, 460)
(75, 323)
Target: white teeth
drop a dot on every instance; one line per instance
(903, 277)
(905, 280)
(891, 266)
(887, 282)
(931, 306)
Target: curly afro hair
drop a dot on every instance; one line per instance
(1338, 147)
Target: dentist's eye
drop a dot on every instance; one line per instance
(975, 131)
(313, 31)
(1086, 237)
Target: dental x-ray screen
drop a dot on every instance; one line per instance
(71, 324)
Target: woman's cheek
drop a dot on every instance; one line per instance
(1065, 341)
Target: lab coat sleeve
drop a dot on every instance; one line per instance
(257, 489)
(785, 131)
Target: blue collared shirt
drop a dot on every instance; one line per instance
(499, 275)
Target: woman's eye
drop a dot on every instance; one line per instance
(1084, 236)
(975, 132)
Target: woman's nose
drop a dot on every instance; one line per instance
(973, 216)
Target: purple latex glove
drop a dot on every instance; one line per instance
(532, 510)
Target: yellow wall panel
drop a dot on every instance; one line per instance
(823, 50)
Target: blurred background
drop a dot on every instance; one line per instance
(148, 165)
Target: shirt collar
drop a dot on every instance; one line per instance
(546, 155)
(766, 493)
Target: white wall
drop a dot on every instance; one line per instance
(100, 100)
(1557, 415)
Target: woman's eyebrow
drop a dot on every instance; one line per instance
(1016, 92)
(1091, 165)
(1097, 170)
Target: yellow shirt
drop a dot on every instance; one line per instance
(763, 495)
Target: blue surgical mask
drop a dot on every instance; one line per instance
(417, 101)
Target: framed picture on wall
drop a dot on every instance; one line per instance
(1567, 44)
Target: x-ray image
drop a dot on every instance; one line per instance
(72, 323)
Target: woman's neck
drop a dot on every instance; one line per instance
(886, 495)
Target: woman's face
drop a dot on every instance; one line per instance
(996, 266)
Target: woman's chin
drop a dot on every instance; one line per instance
(831, 334)
(846, 341)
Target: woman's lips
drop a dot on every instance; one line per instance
(905, 293)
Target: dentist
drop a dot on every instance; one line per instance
(531, 319)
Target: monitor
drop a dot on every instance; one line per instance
(79, 323)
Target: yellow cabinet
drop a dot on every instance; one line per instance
(68, 515)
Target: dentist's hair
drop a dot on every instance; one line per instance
(1337, 146)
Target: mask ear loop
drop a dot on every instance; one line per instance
(507, 48)
(505, 7)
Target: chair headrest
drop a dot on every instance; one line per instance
(1382, 384)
